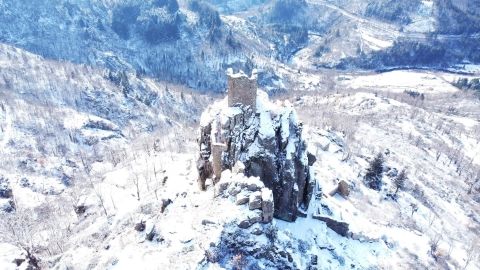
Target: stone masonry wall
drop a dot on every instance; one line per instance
(242, 89)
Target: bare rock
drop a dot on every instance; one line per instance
(244, 224)
(165, 203)
(343, 188)
(250, 218)
(140, 227)
(205, 171)
(255, 216)
(151, 233)
(80, 209)
(207, 222)
(255, 201)
(234, 190)
(242, 198)
(253, 187)
(221, 187)
(337, 226)
(311, 159)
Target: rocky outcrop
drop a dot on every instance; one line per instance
(332, 219)
(267, 205)
(268, 141)
(250, 192)
(339, 227)
(342, 188)
(257, 247)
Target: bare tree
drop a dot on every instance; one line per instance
(473, 252)
(474, 182)
(434, 244)
(136, 182)
(21, 229)
(99, 196)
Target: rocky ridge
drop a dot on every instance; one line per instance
(267, 141)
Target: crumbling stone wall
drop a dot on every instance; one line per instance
(242, 89)
(217, 151)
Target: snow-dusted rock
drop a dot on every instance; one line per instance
(242, 198)
(255, 201)
(267, 205)
(270, 145)
(239, 167)
(339, 227)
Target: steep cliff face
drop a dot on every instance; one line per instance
(269, 142)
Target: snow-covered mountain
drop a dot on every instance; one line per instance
(101, 133)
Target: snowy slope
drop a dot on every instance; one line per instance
(438, 147)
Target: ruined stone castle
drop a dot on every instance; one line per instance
(241, 91)
(267, 139)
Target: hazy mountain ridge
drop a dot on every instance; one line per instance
(187, 42)
(147, 37)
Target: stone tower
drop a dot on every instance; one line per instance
(242, 89)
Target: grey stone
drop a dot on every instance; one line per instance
(253, 187)
(255, 201)
(221, 187)
(205, 171)
(244, 224)
(340, 227)
(140, 227)
(255, 216)
(242, 198)
(311, 159)
(241, 89)
(207, 222)
(165, 203)
(234, 190)
(343, 188)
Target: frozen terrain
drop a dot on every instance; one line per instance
(100, 116)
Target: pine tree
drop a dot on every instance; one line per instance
(373, 177)
(400, 180)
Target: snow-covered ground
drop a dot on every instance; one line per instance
(71, 136)
(438, 147)
(403, 80)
